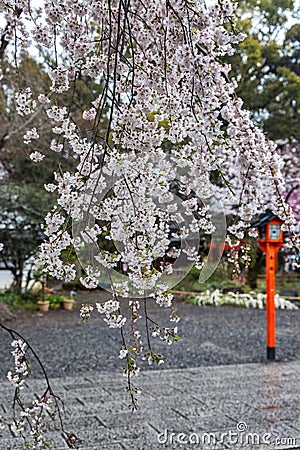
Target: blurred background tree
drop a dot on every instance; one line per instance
(24, 201)
(267, 66)
(22, 210)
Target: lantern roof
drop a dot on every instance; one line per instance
(265, 218)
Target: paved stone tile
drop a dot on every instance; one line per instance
(116, 435)
(164, 424)
(192, 437)
(14, 443)
(76, 422)
(129, 444)
(194, 410)
(122, 418)
(228, 403)
(277, 435)
(150, 406)
(162, 389)
(103, 447)
(203, 423)
(296, 424)
(254, 416)
(106, 408)
(87, 392)
(187, 402)
(141, 445)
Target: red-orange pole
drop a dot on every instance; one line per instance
(271, 255)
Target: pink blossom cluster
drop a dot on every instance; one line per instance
(30, 135)
(21, 364)
(164, 82)
(172, 126)
(25, 105)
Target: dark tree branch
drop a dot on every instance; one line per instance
(3, 40)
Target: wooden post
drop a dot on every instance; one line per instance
(271, 257)
(270, 240)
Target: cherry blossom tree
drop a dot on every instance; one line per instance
(160, 167)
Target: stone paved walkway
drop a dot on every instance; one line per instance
(246, 406)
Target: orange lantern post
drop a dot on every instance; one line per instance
(270, 240)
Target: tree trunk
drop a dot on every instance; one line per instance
(17, 282)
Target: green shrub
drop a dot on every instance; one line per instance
(220, 279)
(18, 301)
(55, 300)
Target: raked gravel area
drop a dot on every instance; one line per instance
(209, 336)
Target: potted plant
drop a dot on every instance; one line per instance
(68, 303)
(55, 301)
(44, 303)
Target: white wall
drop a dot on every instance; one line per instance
(5, 279)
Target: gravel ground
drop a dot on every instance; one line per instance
(209, 336)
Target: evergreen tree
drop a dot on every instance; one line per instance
(267, 66)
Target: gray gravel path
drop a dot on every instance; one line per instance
(209, 336)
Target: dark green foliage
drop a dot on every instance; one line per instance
(267, 66)
(22, 210)
(19, 301)
(24, 201)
